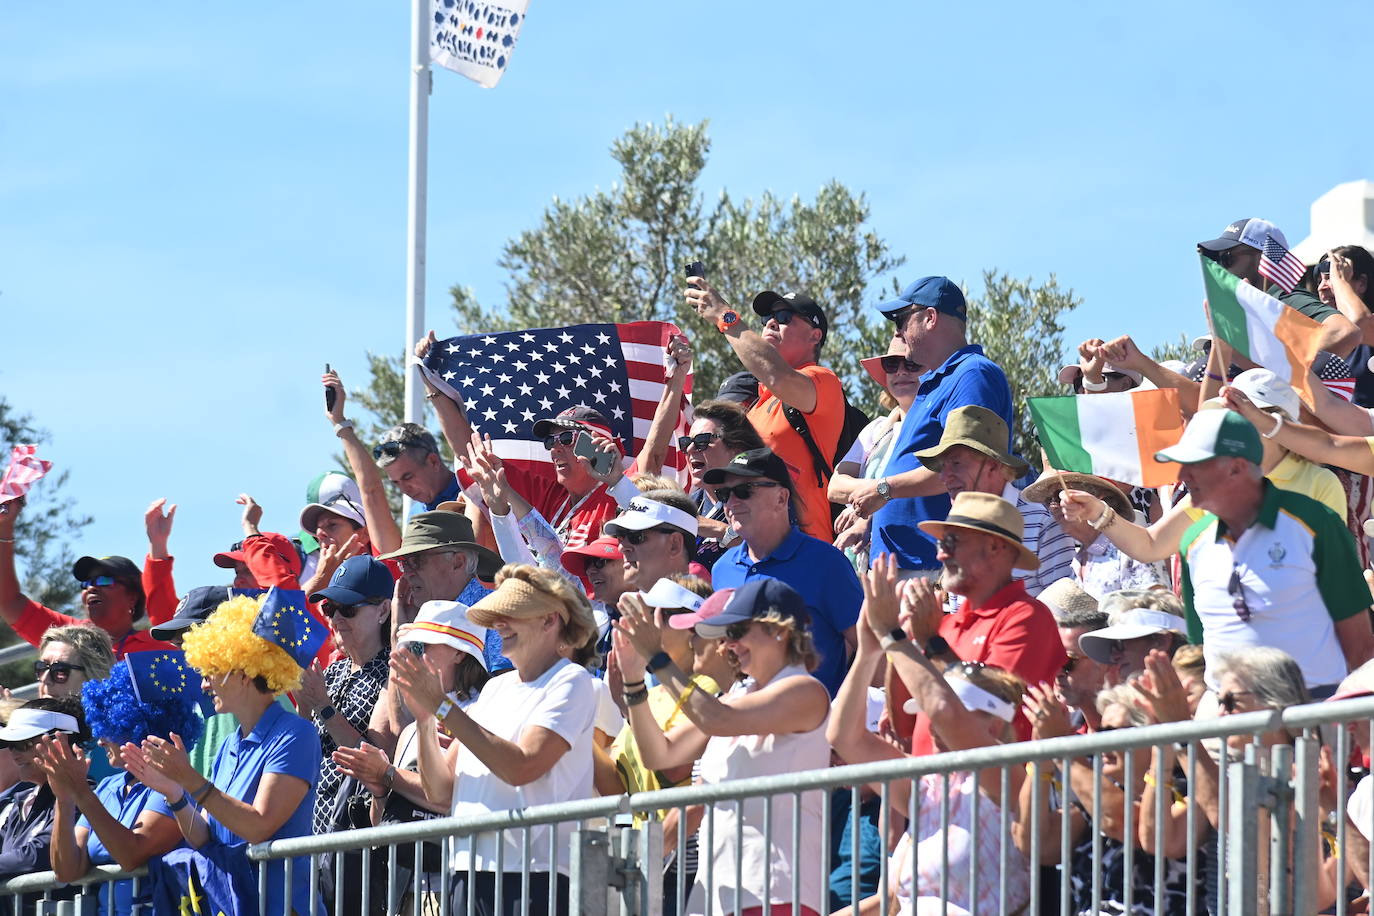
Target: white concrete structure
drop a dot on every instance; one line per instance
(1342, 216)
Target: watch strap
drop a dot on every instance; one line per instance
(894, 636)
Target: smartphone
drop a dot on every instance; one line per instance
(585, 447)
(329, 391)
(695, 269)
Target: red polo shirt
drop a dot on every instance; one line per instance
(36, 620)
(1012, 631)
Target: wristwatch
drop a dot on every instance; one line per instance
(936, 646)
(894, 636)
(728, 320)
(885, 489)
(325, 713)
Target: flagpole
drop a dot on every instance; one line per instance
(417, 189)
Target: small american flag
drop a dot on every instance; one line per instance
(510, 379)
(25, 469)
(1335, 373)
(1279, 265)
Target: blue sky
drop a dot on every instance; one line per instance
(201, 204)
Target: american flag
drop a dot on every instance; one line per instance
(25, 469)
(1335, 373)
(1279, 265)
(508, 380)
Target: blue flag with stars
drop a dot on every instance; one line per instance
(285, 622)
(164, 673)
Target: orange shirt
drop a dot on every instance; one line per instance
(825, 421)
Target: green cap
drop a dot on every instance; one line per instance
(1215, 434)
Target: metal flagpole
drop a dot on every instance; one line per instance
(421, 81)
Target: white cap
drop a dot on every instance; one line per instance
(1132, 624)
(445, 623)
(1266, 389)
(667, 593)
(974, 698)
(642, 514)
(1258, 231)
(341, 504)
(30, 723)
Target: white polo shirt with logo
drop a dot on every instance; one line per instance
(1298, 573)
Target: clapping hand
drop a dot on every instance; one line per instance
(641, 624)
(419, 681)
(169, 758)
(1048, 715)
(365, 763)
(1165, 697)
(65, 765)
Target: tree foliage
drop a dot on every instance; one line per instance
(1181, 349)
(1020, 327)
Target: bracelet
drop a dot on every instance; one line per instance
(636, 697)
(180, 802)
(631, 685)
(202, 793)
(1094, 387)
(1150, 781)
(1104, 521)
(342, 425)
(1214, 377)
(446, 707)
(1278, 425)
(660, 661)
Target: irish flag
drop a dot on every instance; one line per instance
(1113, 435)
(1261, 328)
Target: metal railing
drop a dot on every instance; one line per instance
(1015, 864)
(17, 653)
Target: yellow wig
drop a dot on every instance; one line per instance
(225, 643)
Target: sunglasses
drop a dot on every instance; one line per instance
(1230, 700)
(739, 490)
(57, 671)
(26, 745)
(635, 538)
(346, 611)
(1071, 664)
(98, 580)
(566, 437)
(1232, 255)
(899, 318)
(1237, 593)
(701, 442)
(600, 562)
(784, 316)
(737, 631)
(394, 447)
(894, 363)
(949, 543)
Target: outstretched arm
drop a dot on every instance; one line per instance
(381, 524)
(453, 421)
(655, 450)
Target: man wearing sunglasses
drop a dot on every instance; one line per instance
(111, 595)
(657, 534)
(756, 489)
(930, 316)
(783, 356)
(1265, 566)
(1238, 251)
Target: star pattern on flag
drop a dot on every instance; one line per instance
(284, 621)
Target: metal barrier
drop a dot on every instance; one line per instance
(17, 653)
(1270, 858)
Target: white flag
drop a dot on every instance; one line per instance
(476, 38)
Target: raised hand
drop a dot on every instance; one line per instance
(488, 472)
(1124, 354)
(882, 599)
(252, 513)
(1079, 506)
(1048, 715)
(65, 765)
(923, 607)
(627, 656)
(136, 762)
(423, 345)
(312, 696)
(331, 380)
(365, 763)
(703, 298)
(641, 624)
(1166, 699)
(158, 524)
(422, 690)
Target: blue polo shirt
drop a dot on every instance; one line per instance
(448, 495)
(127, 807)
(823, 576)
(280, 742)
(967, 377)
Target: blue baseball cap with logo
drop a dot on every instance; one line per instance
(939, 293)
(358, 580)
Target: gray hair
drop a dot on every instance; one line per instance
(1271, 674)
(92, 645)
(1118, 602)
(1084, 617)
(1128, 698)
(417, 440)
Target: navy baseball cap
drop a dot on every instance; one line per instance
(357, 580)
(939, 293)
(198, 604)
(755, 599)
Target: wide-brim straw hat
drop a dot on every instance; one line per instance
(991, 515)
(515, 598)
(1065, 597)
(1049, 484)
(979, 429)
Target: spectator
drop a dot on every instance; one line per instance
(341, 699)
(1139, 621)
(972, 457)
(195, 608)
(1238, 250)
(657, 534)
(997, 624)
(795, 392)
(70, 656)
(1082, 678)
(1093, 374)
(764, 624)
(720, 430)
(1236, 591)
(111, 595)
(262, 785)
(931, 317)
(341, 529)
(969, 706)
(1098, 564)
(757, 492)
(121, 820)
(442, 634)
(740, 388)
(525, 741)
(27, 807)
(1346, 280)
(899, 378)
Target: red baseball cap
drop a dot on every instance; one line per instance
(605, 547)
(279, 543)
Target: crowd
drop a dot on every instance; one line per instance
(804, 590)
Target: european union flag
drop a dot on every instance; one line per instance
(212, 879)
(284, 621)
(164, 673)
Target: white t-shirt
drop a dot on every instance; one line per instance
(1359, 807)
(562, 700)
(608, 717)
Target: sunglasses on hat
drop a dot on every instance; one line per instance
(97, 581)
(740, 490)
(394, 447)
(701, 442)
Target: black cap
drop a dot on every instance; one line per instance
(574, 418)
(121, 569)
(767, 302)
(741, 388)
(198, 604)
(757, 462)
(1228, 239)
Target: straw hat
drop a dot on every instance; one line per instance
(1064, 597)
(991, 515)
(1049, 486)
